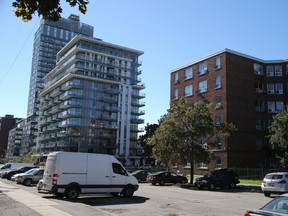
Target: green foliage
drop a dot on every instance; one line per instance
(49, 9)
(144, 139)
(184, 130)
(279, 136)
(29, 157)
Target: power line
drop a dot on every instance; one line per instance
(19, 52)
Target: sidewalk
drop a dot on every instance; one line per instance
(244, 187)
(32, 201)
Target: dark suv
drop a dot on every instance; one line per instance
(218, 178)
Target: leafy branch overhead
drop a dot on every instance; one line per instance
(48, 9)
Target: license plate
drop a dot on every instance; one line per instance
(271, 184)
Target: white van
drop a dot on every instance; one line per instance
(71, 173)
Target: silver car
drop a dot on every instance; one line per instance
(275, 183)
(31, 178)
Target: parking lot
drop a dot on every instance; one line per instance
(149, 200)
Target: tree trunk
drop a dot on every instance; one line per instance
(191, 172)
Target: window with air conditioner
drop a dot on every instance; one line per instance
(278, 70)
(259, 87)
(202, 165)
(202, 68)
(279, 106)
(217, 63)
(258, 69)
(269, 70)
(270, 88)
(217, 100)
(188, 73)
(279, 88)
(271, 106)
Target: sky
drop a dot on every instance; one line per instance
(170, 33)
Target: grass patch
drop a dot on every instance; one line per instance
(249, 181)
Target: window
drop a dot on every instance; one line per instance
(202, 165)
(279, 88)
(217, 82)
(118, 169)
(218, 141)
(270, 88)
(270, 70)
(258, 69)
(217, 119)
(217, 62)
(278, 70)
(176, 94)
(217, 100)
(259, 105)
(279, 106)
(271, 106)
(260, 124)
(218, 162)
(176, 77)
(188, 90)
(202, 86)
(259, 87)
(188, 73)
(202, 68)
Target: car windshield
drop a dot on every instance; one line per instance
(30, 171)
(135, 172)
(209, 174)
(279, 205)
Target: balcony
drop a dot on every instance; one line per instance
(137, 121)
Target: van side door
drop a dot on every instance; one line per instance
(98, 174)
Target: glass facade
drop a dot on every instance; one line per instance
(91, 101)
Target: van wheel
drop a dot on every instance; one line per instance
(128, 191)
(27, 182)
(72, 193)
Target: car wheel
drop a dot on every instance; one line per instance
(139, 180)
(72, 193)
(153, 183)
(183, 181)
(162, 182)
(211, 186)
(267, 194)
(27, 182)
(232, 185)
(128, 191)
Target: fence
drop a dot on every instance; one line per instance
(254, 173)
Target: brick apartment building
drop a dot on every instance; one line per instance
(244, 90)
(6, 124)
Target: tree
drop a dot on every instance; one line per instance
(144, 139)
(184, 131)
(279, 136)
(28, 158)
(49, 9)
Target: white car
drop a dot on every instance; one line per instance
(275, 183)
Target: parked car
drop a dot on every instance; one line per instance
(164, 177)
(275, 183)
(10, 173)
(16, 175)
(140, 175)
(276, 207)
(32, 177)
(218, 178)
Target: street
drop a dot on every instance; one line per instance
(148, 200)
